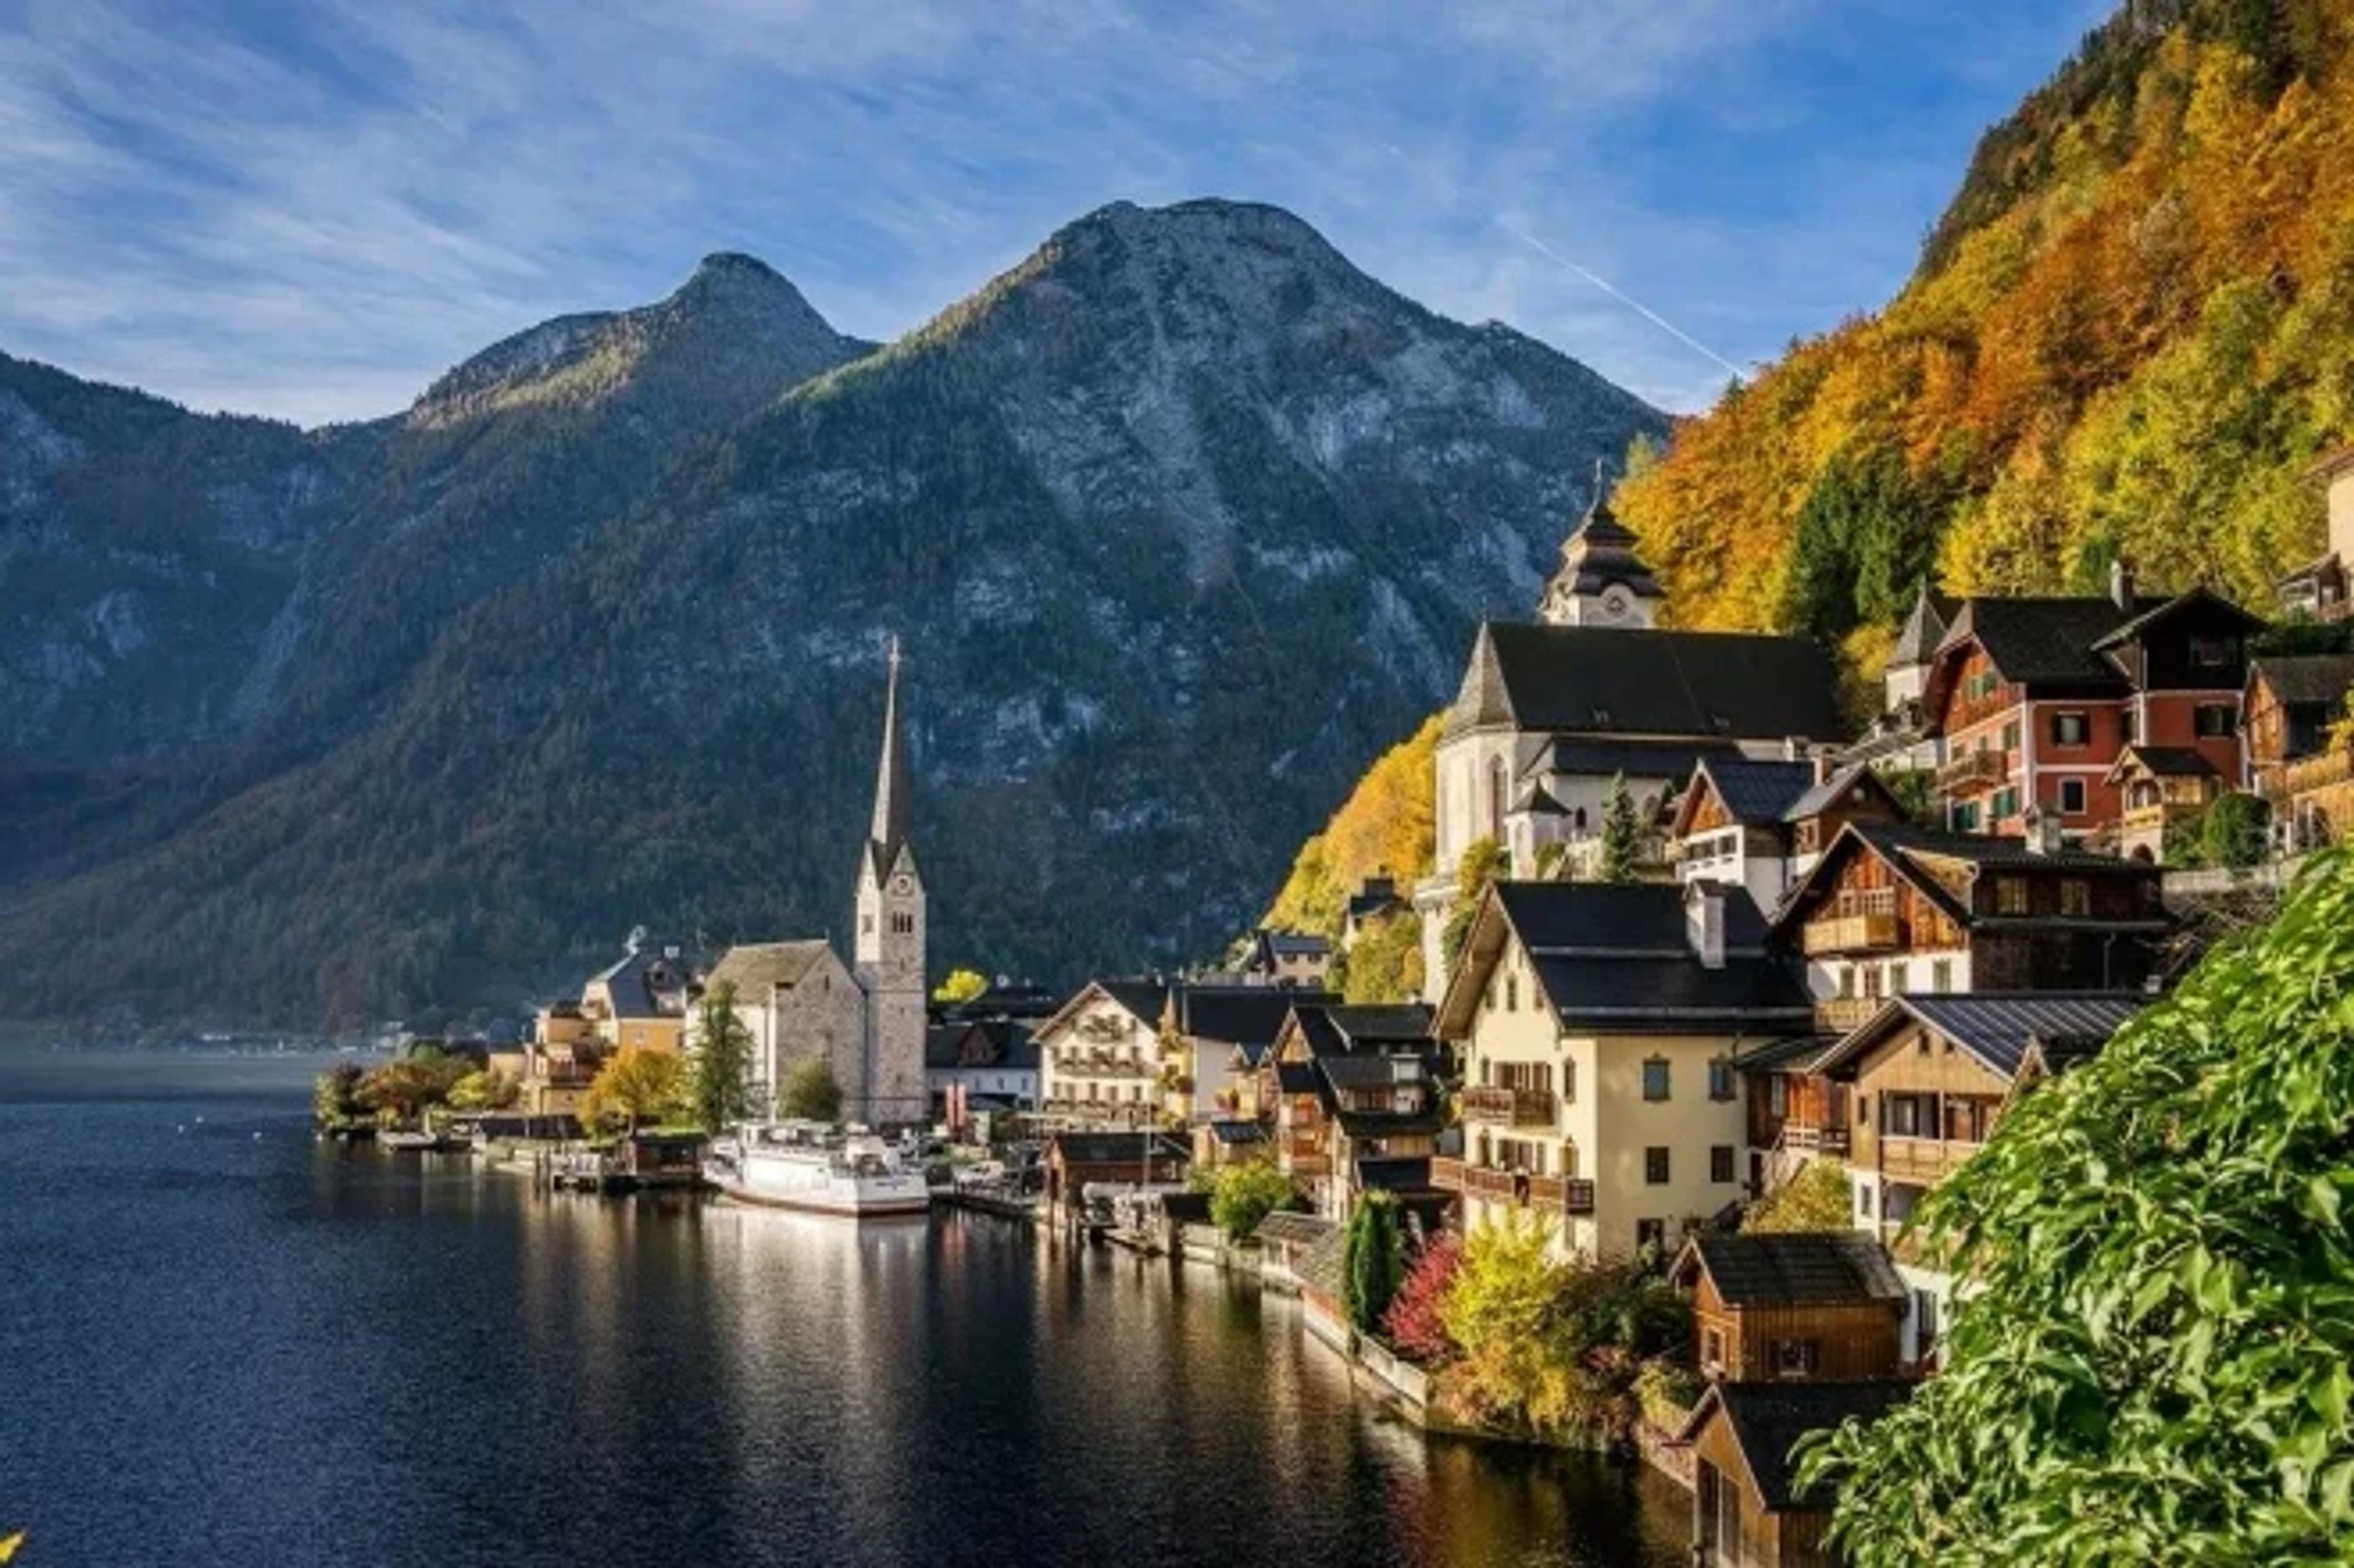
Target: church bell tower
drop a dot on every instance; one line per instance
(889, 952)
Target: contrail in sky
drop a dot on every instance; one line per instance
(1599, 281)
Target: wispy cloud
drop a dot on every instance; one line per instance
(313, 212)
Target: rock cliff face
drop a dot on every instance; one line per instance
(1180, 521)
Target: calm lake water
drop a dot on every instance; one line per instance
(221, 1343)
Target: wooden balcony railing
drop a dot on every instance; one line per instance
(1812, 1139)
(1308, 1164)
(1446, 1174)
(1852, 934)
(1496, 1106)
(1973, 771)
(2317, 772)
(1560, 1194)
(1838, 1015)
(1923, 1160)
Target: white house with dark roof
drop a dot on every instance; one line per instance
(1099, 1055)
(1598, 1027)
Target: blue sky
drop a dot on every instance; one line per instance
(312, 209)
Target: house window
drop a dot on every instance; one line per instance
(1965, 817)
(2071, 796)
(2004, 804)
(1925, 1327)
(1941, 975)
(1712, 1347)
(1864, 1202)
(2011, 736)
(1720, 1162)
(2071, 730)
(2077, 897)
(2011, 895)
(1720, 1079)
(2129, 724)
(2214, 720)
(1512, 993)
(2213, 652)
(1655, 1166)
(1777, 1095)
(1905, 1112)
(1651, 1235)
(1655, 1078)
(1796, 1358)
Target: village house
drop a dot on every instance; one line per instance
(1548, 715)
(1099, 1055)
(1376, 900)
(1075, 1160)
(1897, 911)
(639, 1000)
(973, 1065)
(1904, 736)
(1763, 824)
(1214, 1039)
(2318, 589)
(2037, 697)
(1792, 1307)
(2162, 790)
(1928, 1079)
(1598, 1027)
(2292, 706)
(1357, 1104)
(1748, 1510)
(1298, 958)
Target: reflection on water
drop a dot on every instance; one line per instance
(241, 1350)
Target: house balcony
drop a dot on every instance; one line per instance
(1867, 932)
(1306, 1162)
(1491, 1107)
(1560, 1194)
(1974, 771)
(1807, 1138)
(1841, 1014)
(1922, 1160)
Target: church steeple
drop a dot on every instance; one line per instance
(1600, 580)
(889, 830)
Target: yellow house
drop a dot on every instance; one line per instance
(1597, 1026)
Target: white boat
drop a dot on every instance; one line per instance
(799, 1165)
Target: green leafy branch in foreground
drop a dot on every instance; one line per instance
(2151, 1365)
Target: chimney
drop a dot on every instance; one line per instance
(2121, 585)
(1822, 766)
(1704, 922)
(1793, 749)
(2042, 830)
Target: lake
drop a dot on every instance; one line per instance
(223, 1344)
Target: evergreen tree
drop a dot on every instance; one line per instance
(1372, 1260)
(1622, 833)
(723, 1060)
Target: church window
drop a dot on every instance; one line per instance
(1496, 797)
(866, 922)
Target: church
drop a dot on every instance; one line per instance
(1551, 711)
(798, 1000)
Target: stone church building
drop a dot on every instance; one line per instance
(866, 1019)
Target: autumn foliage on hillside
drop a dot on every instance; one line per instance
(1383, 827)
(2129, 335)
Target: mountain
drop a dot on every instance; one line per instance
(1178, 520)
(2128, 334)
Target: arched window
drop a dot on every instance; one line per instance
(1496, 797)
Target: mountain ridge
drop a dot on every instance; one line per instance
(1168, 476)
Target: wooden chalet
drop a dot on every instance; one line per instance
(1074, 1159)
(1893, 911)
(1356, 1102)
(1761, 824)
(1792, 1307)
(1748, 1509)
(2290, 707)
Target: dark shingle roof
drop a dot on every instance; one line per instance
(1114, 1148)
(1599, 681)
(1381, 1024)
(1647, 916)
(1144, 998)
(1393, 1173)
(1600, 550)
(1768, 1418)
(1818, 798)
(2042, 642)
(2169, 762)
(1996, 1027)
(1671, 761)
(1823, 1268)
(1284, 1225)
(2322, 678)
(1756, 791)
(1250, 1016)
(756, 968)
(2217, 607)
(1237, 1133)
(1298, 1078)
(981, 1042)
(1923, 629)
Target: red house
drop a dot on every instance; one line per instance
(2038, 697)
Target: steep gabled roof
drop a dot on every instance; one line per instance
(1923, 629)
(1245, 1016)
(2164, 762)
(1818, 1268)
(758, 967)
(1768, 1418)
(1998, 1028)
(1754, 792)
(1114, 1148)
(1820, 798)
(1907, 851)
(1600, 550)
(2308, 679)
(1601, 680)
(1617, 959)
(2197, 599)
(2041, 641)
(1142, 999)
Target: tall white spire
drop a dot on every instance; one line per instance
(889, 830)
